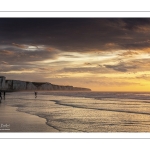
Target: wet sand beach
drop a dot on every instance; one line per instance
(75, 112)
(15, 121)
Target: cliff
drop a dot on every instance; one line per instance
(17, 85)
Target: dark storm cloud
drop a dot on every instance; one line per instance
(110, 83)
(16, 54)
(93, 70)
(136, 23)
(77, 34)
(17, 45)
(121, 67)
(144, 76)
(81, 70)
(87, 64)
(128, 53)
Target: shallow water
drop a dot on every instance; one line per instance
(87, 111)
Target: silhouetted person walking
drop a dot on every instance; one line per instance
(0, 97)
(4, 95)
(35, 94)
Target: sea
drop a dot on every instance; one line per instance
(87, 111)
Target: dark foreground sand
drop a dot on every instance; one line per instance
(14, 121)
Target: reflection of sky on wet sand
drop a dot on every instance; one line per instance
(78, 114)
(14, 121)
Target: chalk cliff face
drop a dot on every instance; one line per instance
(30, 86)
(19, 85)
(9, 84)
(16, 85)
(43, 86)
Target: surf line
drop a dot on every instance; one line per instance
(103, 109)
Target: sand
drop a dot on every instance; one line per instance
(12, 120)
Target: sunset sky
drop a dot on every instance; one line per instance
(104, 54)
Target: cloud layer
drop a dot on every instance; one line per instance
(74, 50)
